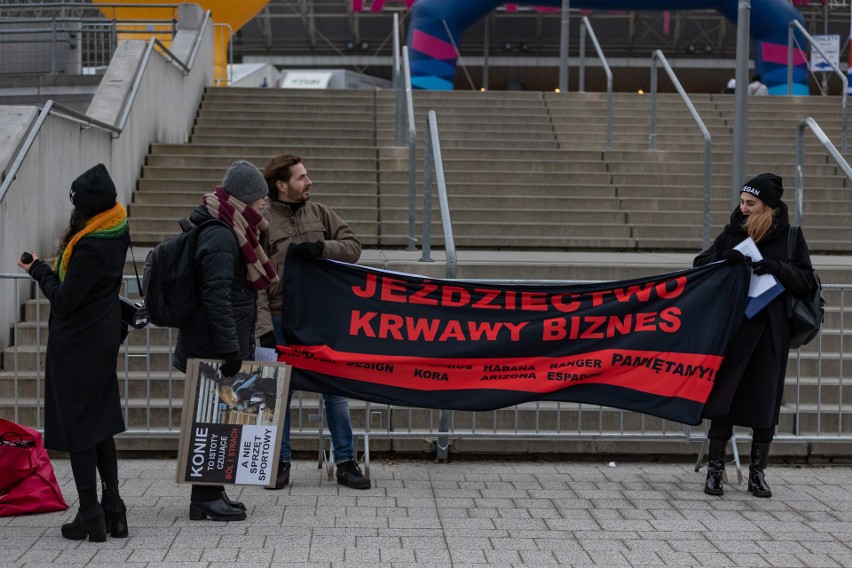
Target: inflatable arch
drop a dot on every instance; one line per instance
(433, 58)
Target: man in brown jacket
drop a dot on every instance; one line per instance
(317, 232)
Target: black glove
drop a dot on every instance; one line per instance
(309, 250)
(267, 340)
(733, 256)
(232, 364)
(767, 266)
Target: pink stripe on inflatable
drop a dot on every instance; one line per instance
(432, 46)
(777, 53)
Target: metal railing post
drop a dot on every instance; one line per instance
(581, 87)
(585, 24)
(397, 83)
(428, 163)
(433, 159)
(843, 79)
(652, 135)
(412, 153)
(53, 46)
(800, 161)
(446, 222)
(658, 56)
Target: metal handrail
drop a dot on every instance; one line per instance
(586, 25)
(197, 45)
(399, 90)
(137, 80)
(78, 21)
(89, 6)
(837, 71)
(229, 78)
(412, 152)
(800, 160)
(433, 158)
(708, 143)
(65, 112)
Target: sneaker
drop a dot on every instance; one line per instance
(283, 477)
(349, 474)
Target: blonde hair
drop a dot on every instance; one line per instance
(758, 224)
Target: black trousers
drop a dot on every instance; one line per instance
(722, 428)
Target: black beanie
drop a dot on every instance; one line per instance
(767, 188)
(93, 192)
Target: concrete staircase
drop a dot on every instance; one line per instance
(534, 195)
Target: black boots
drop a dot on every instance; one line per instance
(756, 483)
(283, 477)
(211, 501)
(216, 510)
(349, 474)
(715, 467)
(115, 512)
(89, 520)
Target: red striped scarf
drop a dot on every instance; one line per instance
(246, 224)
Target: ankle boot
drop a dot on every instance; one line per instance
(236, 504)
(715, 467)
(115, 511)
(756, 482)
(89, 520)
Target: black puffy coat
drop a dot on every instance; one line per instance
(227, 316)
(82, 405)
(750, 382)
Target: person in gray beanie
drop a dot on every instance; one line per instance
(749, 385)
(245, 182)
(233, 267)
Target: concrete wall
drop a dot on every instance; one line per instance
(36, 209)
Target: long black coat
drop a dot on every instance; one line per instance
(82, 404)
(750, 382)
(226, 319)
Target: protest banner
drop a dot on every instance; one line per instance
(652, 345)
(231, 428)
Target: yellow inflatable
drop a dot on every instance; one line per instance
(232, 14)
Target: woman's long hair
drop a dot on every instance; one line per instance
(75, 225)
(758, 225)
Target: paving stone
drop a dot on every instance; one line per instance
(468, 514)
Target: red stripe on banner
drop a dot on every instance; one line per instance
(685, 375)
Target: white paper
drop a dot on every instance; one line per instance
(265, 354)
(758, 286)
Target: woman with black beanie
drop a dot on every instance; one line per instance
(82, 408)
(750, 382)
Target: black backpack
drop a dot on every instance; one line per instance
(806, 314)
(168, 282)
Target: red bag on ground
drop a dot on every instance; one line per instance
(27, 482)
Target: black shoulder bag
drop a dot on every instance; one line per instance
(133, 314)
(807, 313)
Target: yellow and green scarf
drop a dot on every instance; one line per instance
(110, 224)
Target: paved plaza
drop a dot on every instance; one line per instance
(471, 513)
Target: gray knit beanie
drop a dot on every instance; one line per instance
(245, 182)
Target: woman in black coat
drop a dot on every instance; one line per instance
(82, 404)
(750, 382)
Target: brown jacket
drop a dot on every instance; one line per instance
(312, 222)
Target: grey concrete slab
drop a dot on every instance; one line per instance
(465, 514)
